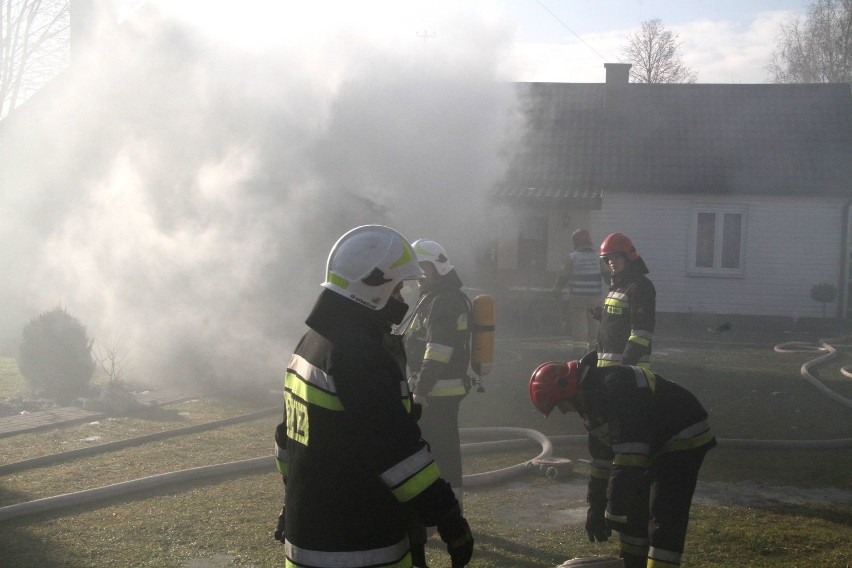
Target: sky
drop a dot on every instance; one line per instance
(724, 41)
(180, 187)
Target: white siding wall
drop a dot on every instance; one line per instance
(791, 244)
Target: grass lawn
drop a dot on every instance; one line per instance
(750, 391)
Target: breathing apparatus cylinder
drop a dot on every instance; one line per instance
(482, 340)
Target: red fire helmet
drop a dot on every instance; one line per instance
(553, 382)
(618, 243)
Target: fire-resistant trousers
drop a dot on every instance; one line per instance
(439, 425)
(656, 537)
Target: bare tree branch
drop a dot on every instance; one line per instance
(816, 49)
(654, 54)
(34, 47)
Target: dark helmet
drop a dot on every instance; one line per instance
(581, 237)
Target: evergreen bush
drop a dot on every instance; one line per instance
(56, 355)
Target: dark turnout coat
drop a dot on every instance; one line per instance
(626, 333)
(356, 469)
(635, 417)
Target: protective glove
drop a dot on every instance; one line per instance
(596, 312)
(418, 556)
(417, 538)
(455, 531)
(416, 411)
(279, 530)
(596, 525)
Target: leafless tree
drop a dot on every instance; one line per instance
(34, 47)
(654, 54)
(816, 49)
(111, 357)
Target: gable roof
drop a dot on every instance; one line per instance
(587, 139)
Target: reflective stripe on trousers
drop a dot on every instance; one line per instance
(393, 556)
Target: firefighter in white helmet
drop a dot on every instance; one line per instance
(355, 468)
(647, 437)
(437, 342)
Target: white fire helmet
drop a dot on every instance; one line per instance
(430, 251)
(367, 263)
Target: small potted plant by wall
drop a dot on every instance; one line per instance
(824, 293)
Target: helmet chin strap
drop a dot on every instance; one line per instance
(394, 310)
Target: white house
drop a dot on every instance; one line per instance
(737, 196)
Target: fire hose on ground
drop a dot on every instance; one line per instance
(89, 496)
(97, 494)
(826, 346)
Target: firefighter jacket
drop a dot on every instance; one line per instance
(634, 416)
(626, 332)
(437, 340)
(355, 468)
(582, 273)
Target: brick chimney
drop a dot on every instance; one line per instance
(617, 79)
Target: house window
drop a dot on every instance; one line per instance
(532, 243)
(717, 243)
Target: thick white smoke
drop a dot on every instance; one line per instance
(181, 193)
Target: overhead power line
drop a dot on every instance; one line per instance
(555, 17)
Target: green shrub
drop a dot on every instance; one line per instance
(56, 356)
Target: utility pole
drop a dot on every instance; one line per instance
(426, 37)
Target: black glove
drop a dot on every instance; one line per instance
(596, 312)
(455, 531)
(279, 530)
(416, 411)
(417, 539)
(596, 525)
(418, 556)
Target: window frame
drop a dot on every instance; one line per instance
(719, 211)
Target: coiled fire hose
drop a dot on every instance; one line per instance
(826, 346)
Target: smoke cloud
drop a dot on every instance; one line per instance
(181, 192)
